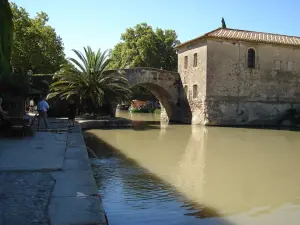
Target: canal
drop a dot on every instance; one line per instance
(180, 174)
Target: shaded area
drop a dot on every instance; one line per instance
(44, 151)
(290, 118)
(24, 198)
(103, 123)
(142, 93)
(165, 99)
(133, 195)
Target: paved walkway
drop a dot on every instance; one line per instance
(47, 179)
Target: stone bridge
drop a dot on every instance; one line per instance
(165, 85)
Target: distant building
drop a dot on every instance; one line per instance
(145, 104)
(235, 76)
(138, 104)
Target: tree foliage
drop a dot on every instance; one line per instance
(6, 36)
(86, 79)
(11, 84)
(141, 46)
(36, 45)
(41, 82)
(141, 93)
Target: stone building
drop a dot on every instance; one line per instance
(235, 76)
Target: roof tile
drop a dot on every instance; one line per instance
(243, 35)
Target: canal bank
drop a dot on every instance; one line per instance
(90, 123)
(47, 179)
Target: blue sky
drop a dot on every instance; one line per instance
(99, 23)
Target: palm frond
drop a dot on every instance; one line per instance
(76, 63)
(86, 79)
(82, 58)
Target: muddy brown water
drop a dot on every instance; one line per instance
(180, 174)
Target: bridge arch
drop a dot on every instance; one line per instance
(163, 84)
(164, 97)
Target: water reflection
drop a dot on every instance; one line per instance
(240, 171)
(247, 176)
(189, 173)
(133, 195)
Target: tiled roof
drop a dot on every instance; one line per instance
(244, 35)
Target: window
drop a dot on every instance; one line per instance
(290, 66)
(186, 90)
(185, 62)
(277, 65)
(195, 59)
(251, 58)
(195, 91)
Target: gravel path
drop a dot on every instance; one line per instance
(24, 198)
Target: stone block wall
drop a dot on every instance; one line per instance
(228, 75)
(231, 93)
(237, 94)
(193, 79)
(226, 112)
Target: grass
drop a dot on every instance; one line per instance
(157, 111)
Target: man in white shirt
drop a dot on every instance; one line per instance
(42, 108)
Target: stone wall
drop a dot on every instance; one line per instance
(236, 94)
(193, 75)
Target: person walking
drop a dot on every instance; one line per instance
(43, 108)
(5, 124)
(2, 112)
(71, 113)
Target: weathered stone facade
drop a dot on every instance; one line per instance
(194, 75)
(231, 93)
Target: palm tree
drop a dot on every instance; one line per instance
(86, 79)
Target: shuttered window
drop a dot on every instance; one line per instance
(195, 59)
(251, 58)
(195, 91)
(185, 62)
(290, 66)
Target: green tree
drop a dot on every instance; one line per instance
(86, 79)
(141, 46)
(6, 36)
(141, 93)
(36, 45)
(10, 84)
